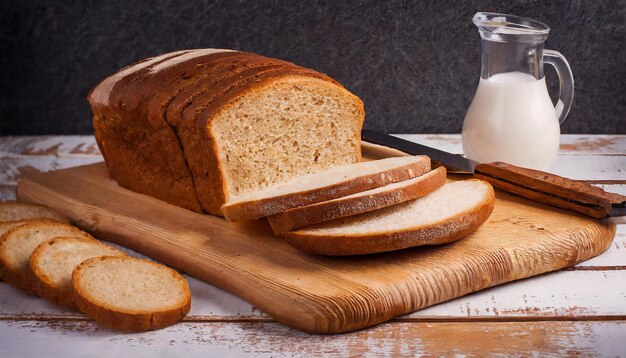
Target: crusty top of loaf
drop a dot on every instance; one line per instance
(188, 56)
(99, 95)
(224, 77)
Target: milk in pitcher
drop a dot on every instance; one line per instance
(512, 117)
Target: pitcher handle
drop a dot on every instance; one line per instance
(566, 82)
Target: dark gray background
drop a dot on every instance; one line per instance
(414, 64)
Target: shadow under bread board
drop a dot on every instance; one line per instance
(313, 293)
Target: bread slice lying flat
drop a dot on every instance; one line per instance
(129, 294)
(358, 203)
(16, 210)
(447, 214)
(326, 185)
(53, 261)
(17, 244)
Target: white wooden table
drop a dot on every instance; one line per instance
(577, 311)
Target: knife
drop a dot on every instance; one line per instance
(536, 185)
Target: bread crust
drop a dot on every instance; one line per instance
(21, 277)
(453, 229)
(343, 207)
(255, 209)
(128, 320)
(42, 283)
(139, 157)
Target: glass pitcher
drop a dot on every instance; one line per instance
(512, 118)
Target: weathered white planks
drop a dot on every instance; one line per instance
(571, 144)
(245, 339)
(614, 188)
(12, 167)
(7, 192)
(48, 145)
(591, 167)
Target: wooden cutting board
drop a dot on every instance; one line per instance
(321, 294)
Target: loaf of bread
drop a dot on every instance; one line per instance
(197, 127)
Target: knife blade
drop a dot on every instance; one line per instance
(536, 185)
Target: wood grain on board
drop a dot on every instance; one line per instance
(318, 294)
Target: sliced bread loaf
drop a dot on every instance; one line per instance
(358, 203)
(174, 126)
(17, 244)
(129, 294)
(17, 210)
(326, 185)
(53, 262)
(447, 214)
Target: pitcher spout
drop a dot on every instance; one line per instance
(506, 28)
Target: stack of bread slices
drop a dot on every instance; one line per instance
(40, 252)
(369, 207)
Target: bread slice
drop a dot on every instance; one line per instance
(326, 185)
(53, 261)
(17, 210)
(358, 203)
(129, 294)
(450, 213)
(17, 244)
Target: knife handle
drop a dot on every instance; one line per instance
(549, 188)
